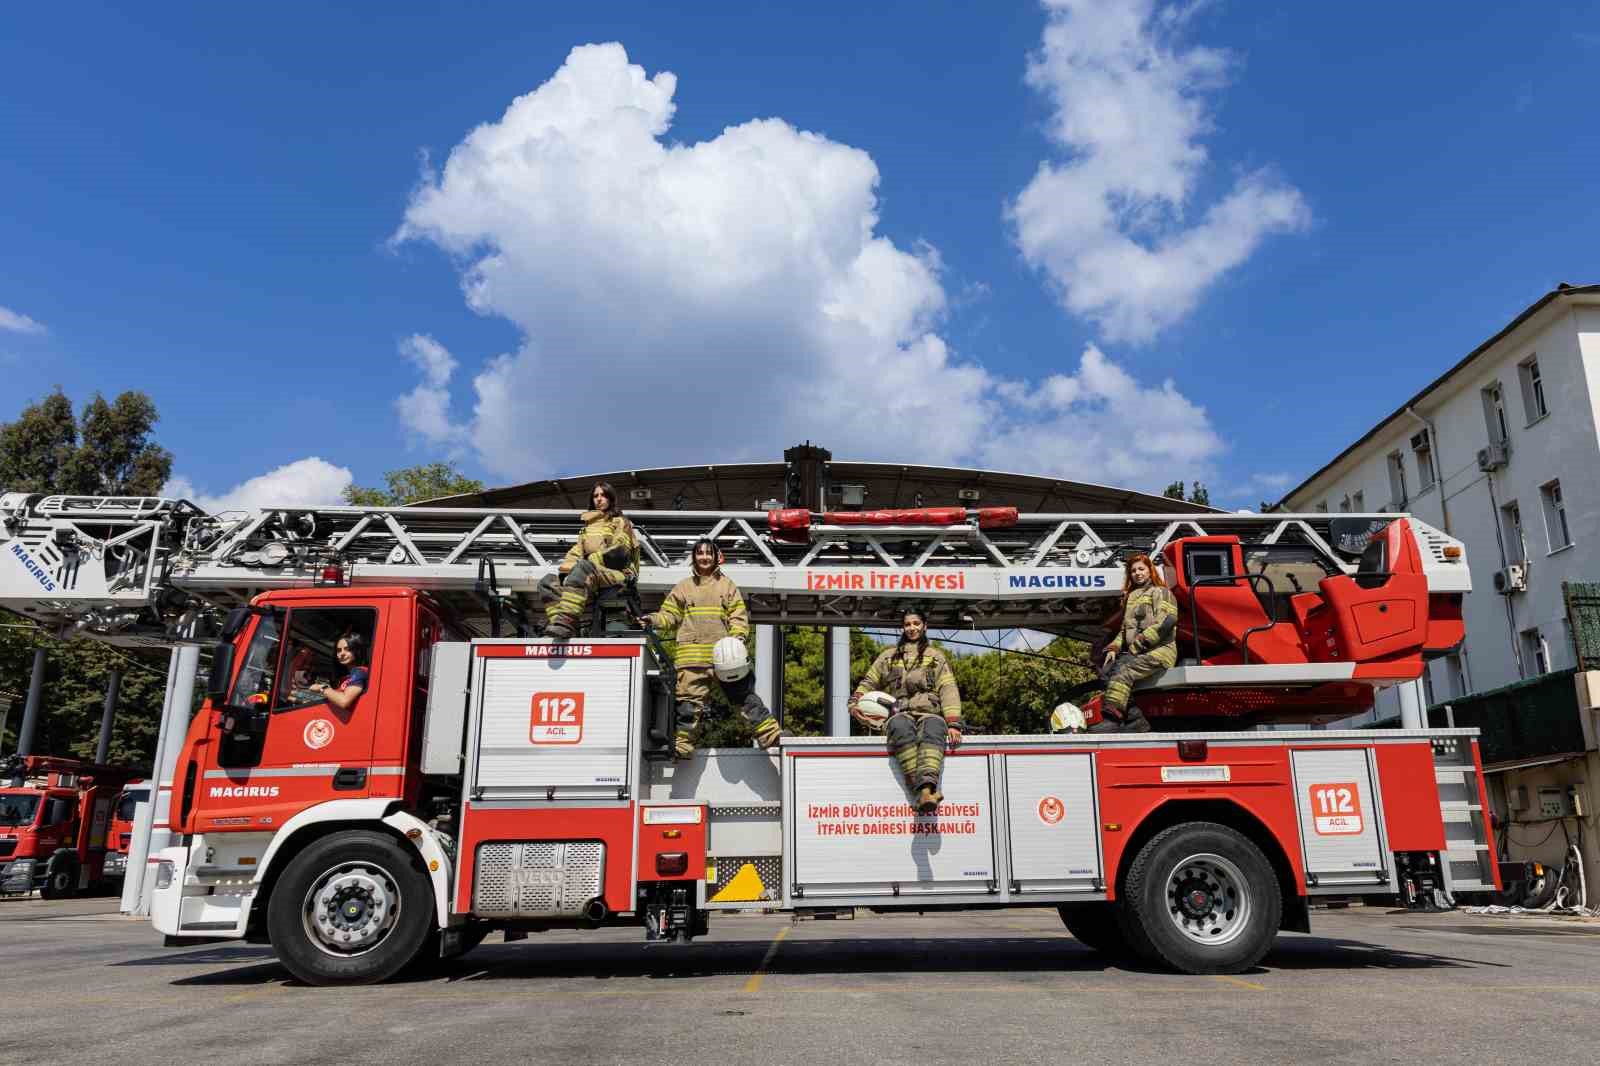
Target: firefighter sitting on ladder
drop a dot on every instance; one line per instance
(704, 615)
(1146, 644)
(926, 707)
(606, 554)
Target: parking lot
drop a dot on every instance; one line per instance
(83, 982)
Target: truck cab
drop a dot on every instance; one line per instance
(120, 833)
(54, 816)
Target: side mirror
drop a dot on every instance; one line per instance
(221, 672)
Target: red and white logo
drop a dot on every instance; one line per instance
(319, 733)
(1052, 810)
(557, 718)
(1336, 809)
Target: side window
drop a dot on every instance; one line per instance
(59, 812)
(253, 688)
(311, 653)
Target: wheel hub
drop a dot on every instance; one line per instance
(350, 909)
(1207, 899)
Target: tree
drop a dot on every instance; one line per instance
(428, 481)
(1173, 491)
(106, 451)
(1198, 494)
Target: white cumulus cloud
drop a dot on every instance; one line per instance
(1112, 223)
(717, 300)
(17, 322)
(304, 482)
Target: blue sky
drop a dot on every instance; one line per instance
(1257, 232)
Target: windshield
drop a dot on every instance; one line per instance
(18, 808)
(128, 801)
(254, 687)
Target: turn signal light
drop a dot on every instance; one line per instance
(1452, 551)
(672, 864)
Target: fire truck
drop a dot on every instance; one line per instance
(492, 780)
(54, 815)
(120, 833)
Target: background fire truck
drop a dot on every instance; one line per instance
(54, 817)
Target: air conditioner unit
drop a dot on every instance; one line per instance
(1513, 578)
(1494, 456)
(1419, 441)
(639, 494)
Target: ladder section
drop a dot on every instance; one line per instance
(1467, 857)
(136, 565)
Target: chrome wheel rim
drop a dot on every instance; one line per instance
(351, 909)
(1208, 900)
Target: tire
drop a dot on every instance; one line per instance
(1202, 899)
(352, 908)
(62, 880)
(1094, 925)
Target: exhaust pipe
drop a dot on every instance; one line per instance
(595, 910)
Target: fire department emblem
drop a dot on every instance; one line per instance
(1051, 810)
(319, 733)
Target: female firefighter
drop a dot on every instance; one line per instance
(351, 652)
(1146, 644)
(702, 611)
(606, 554)
(926, 712)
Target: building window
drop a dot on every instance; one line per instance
(1344, 504)
(1322, 508)
(1555, 516)
(1358, 502)
(1532, 390)
(1511, 529)
(1397, 482)
(1494, 414)
(1422, 448)
(1535, 653)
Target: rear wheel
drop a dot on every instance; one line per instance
(1201, 898)
(353, 908)
(1094, 925)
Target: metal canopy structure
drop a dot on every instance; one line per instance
(152, 571)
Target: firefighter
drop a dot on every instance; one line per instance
(704, 615)
(927, 707)
(351, 651)
(1146, 644)
(606, 554)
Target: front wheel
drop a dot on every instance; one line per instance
(1201, 898)
(353, 908)
(61, 881)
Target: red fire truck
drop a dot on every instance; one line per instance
(488, 782)
(120, 833)
(54, 815)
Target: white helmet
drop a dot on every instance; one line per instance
(1067, 718)
(874, 708)
(729, 659)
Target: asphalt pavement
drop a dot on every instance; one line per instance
(81, 983)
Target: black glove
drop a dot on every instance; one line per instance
(618, 557)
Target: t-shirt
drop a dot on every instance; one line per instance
(357, 677)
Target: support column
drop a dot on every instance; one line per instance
(102, 750)
(30, 712)
(150, 832)
(769, 668)
(836, 681)
(1411, 708)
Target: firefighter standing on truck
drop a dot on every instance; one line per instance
(1146, 644)
(704, 616)
(925, 709)
(606, 554)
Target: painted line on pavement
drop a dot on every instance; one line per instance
(754, 984)
(1240, 981)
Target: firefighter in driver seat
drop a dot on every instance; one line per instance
(605, 554)
(926, 708)
(704, 615)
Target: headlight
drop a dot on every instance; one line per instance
(163, 874)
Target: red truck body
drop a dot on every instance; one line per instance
(54, 821)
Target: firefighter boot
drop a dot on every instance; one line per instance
(1134, 721)
(683, 736)
(928, 799)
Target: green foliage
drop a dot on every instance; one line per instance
(74, 696)
(1173, 491)
(105, 451)
(428, 481)
(1197, 494)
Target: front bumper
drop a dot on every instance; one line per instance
(116, 865)
(19, 876)
(191, 899)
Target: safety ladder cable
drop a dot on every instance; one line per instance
(133, 564)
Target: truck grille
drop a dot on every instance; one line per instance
(537, 879)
